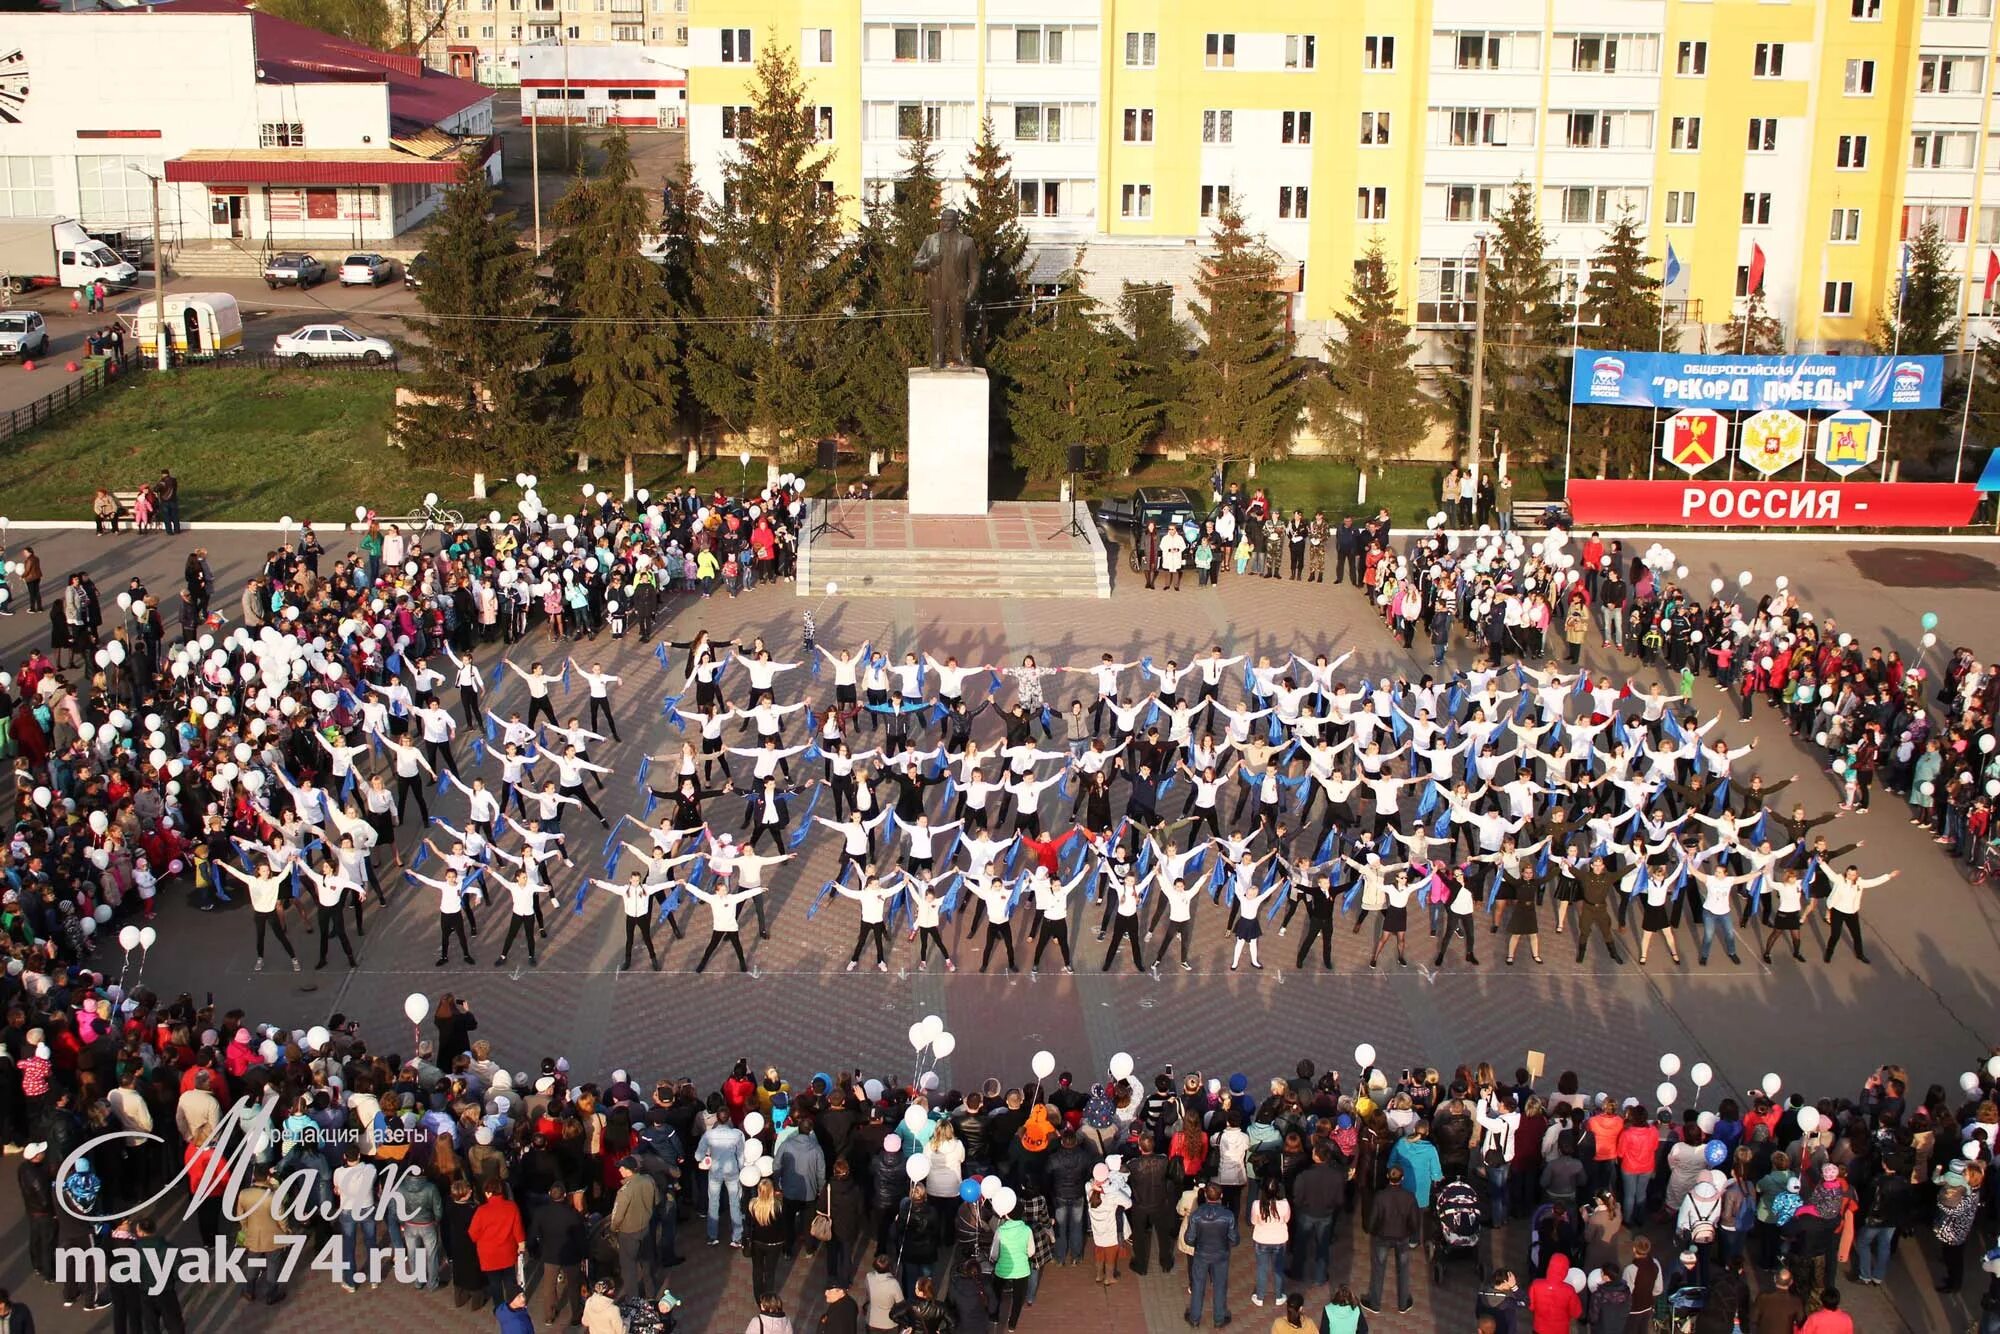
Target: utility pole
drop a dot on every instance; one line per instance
(1478, 363)
(535, 165)
(161, 351)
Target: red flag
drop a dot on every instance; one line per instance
(1992, 272)
(1756, 268)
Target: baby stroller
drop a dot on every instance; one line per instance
(1676, 1314)
(1455, 1218)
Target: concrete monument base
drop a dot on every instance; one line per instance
(948, 440)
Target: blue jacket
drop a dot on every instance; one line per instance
(514, 1321)
(1419, 1160)
(1211, 1231)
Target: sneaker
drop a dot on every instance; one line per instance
(1255, 1300)
(259, 968)
(295, 965)
(1406, 1308)
(851, 966)
(1370, 1307)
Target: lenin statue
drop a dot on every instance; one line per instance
(949, 261)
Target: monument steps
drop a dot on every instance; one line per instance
(954, 572)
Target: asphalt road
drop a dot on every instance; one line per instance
(1928, 1001)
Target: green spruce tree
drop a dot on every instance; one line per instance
(1071, 386)
(1527, 337)
(1752, 331)
(992, 220)
(1157, 343)
(1242, 396)
(1924, 322)
(1622, 311)
(478, 350)
(887, 340)
(1367, 402)
(776, 283)
(622, 358)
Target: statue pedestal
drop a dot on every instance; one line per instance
(948, 440)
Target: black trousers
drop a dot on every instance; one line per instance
(1146, 1223)
(879, 931)
(1320, 929)
(1850, 922)
(448, 924)
(522, 925)
(998, 933)
(441, 756)
(642, 925)
(601, 705)
(1125, 928)
(470, 706)
(1051, 929)
(276, 921)
(540, 706)
(405, 788)
(715, 939)
(926, 935)
(1184, 931)
(1461, 923)
(332, 924)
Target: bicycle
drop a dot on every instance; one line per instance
(445, 520)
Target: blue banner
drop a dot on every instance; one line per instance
(1751, 384)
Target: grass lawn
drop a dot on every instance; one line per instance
(246, 445)
(251, 445)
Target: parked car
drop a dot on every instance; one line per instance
(366, 270)
(316, 342)
(22, 334)
(413, 272)
(293, 270)
(1164, 505)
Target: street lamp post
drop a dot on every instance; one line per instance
(163, 356)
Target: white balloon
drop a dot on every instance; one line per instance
(1576, 1279)
(1670, 1065)
(316, 1038)
(128, 937)
(147, 935)
(753, 1124)
(920, 1037)
(99, 822)
(1808, 1119)
(918, 1166)
(1993, 1066)
(932, 1027)
(916, 1119)
(416, 1005)
(748, 1177)
(1771, 1084)
(1701, 1075)
(1969, 1082)
(1665, 1094)
(1043, 1064)
(1004, 1201)
(1121, 1066)
(943, 1045)
(1364, 1055)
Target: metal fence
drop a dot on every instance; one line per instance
(270, 361)
(95, 377)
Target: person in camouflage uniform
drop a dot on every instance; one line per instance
(1316, 539)
(1274, 547)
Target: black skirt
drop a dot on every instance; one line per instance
(1396, 919)
(1657, 916)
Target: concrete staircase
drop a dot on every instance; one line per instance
(221, 259)
(956, 572)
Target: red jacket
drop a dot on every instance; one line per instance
(1552, 1303)
(496, 1233)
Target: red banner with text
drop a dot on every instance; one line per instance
(1697, 504)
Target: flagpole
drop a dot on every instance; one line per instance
(1575, 341)
(1659, 346)
(1965, 413)
(1896, 350)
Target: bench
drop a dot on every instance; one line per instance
(1531, 513)
(128, 505)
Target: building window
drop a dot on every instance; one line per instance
(1371, 202)
(281, 134)
(574, 32)
(1142, 50)
(486, 30)
(1038, 46)
(1687, 134)
(1838, 299)
(1447, 290)
(1941, 148)
(1680, 208)
(1378, 52)
(924, 44)
(628, 32)
(1043, 124)
(1461, 203)
(1218, 127)
(1950, 220)
(1481, 127)
(1769, 61)
(1763, 134)
(1846, 226)
(1301, 49)
(1867, 10)
(821, 120)
(1295, 127)
(1220, 51)
(651, 95)
(1691, 59)
(1135, 201)
(1606, 129)
(1950, 74)
(107, 192)
(1608, 53)
(1138, 125)
(736, 122)
(1756, 208)
(1214, 198)
(1958, 9)
(817, 44)
(1852, 154)
(1039, 199)
(1989, 226)
(1742, 280)
(463, 32)
(1375, 128)
(1292, 201)
(1860, 78)
(735, 46)
(913, 118)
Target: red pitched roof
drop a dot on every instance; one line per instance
(287, 52)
